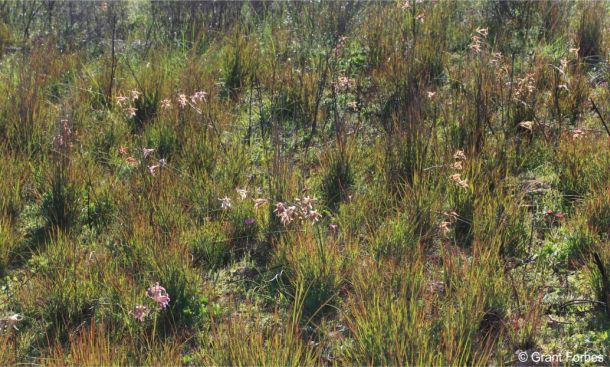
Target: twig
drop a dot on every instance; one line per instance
(581, 301)
(600, 116)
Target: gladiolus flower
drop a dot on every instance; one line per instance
(135, 95)
(459, 155)
(182, 101)
(314, 215)
(140, 312)
(131, 111)
(147, 151)
(158, 294)
(225, 203)
(578, 133)
(459, 181)
(120, 100)
(166, 104)
(307, 202)
(198, 97)
(10, 321)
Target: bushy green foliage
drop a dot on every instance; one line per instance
(308, 183)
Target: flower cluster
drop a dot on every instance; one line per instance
(459, 181)
(450, 219)
(344, 83)
(62, 142)
(126, 102)
(10, 321)
(301, 210)
(578, 133)
(158, 294)
(140, 312)
(459, 157)
(160, 164)
(525, 86)
(476, 41)
(124, 151)
(184, 100)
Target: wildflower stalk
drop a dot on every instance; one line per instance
(320, 245)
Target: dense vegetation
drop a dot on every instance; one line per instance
(311, 183)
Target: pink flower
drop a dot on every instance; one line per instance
(166, 104)
(147, 151)
(140, 312)
(459, 155)
(285, 213)
(249, 221)
(131, 111)
(314, 215)
(333, 227)
(153, 169)
(459, 181)
(344, 83)
(158, 294)
(198, 97)
(445, 227)
(280, 208)
(577, 134)
(182, 100)
(135, 95)
(120, 100)
(475, 44)
(307, 202)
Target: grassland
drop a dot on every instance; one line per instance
(311, 183)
